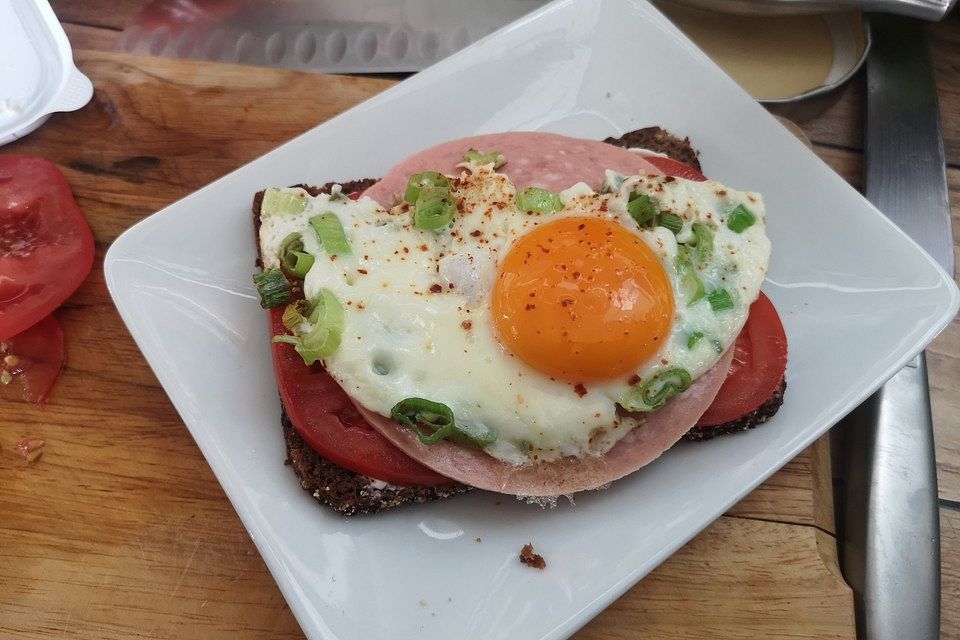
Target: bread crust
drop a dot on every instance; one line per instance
(345, 491)
(662, 141)
(753, 419)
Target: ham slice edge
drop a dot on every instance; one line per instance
(644, 444)
(534, 159)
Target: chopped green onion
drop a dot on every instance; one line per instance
(740, 219)
(326, 318)
(434, 209)
(330, 232)
(298, 263)
(537, 200)
(277, 201)
(425, 180)
(684, 259)
(672, 222)
(273, 288)
(702, 241)
(293, 257)
(720, 300)
(414, 412)
(655, 392)
(292, 316)
(694, 338)
(479, 157)
(642, 210)
(692, 286)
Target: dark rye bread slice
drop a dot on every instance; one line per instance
(756, 417)
(351, 493)
(661, 141)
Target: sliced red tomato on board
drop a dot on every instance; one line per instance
(46, 247)
(326, 419)
(675, 169)
(32, 359)
(759, 362)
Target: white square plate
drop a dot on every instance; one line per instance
(857, 297)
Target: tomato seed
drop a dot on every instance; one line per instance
(19, 231)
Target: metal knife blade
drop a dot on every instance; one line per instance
(374, 36)
(890, 525)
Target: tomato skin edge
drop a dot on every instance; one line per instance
(324, 416)
(675, 168)
(759, 366)
(38, 180)
(41, 352)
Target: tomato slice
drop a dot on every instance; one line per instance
(32, 359)
(46, 247)
(326, 419)
(759, 362)
(675, 169)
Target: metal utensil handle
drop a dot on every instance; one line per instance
(891, 552)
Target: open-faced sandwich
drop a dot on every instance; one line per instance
(525, 313)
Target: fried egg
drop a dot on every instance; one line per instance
(555, 331)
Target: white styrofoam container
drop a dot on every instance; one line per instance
(37, 74)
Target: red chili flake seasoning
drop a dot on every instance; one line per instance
(362, 271)
(581, 227)
(531, 559)
(634, 379)
(406, 249)
(669, 179)
(466, 325)
(530, 307)
(603, 206)
(566, 302)
(579, 389)
(476, 233)
(435, 288)
(423, 247)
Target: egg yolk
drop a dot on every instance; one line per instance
(582, 299)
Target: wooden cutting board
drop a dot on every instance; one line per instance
(121, 530)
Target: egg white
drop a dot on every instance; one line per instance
(417, 305)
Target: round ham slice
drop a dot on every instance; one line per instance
(641, 446)
(552, 162)
(534, 159)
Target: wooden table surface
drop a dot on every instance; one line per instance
(121, 530)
